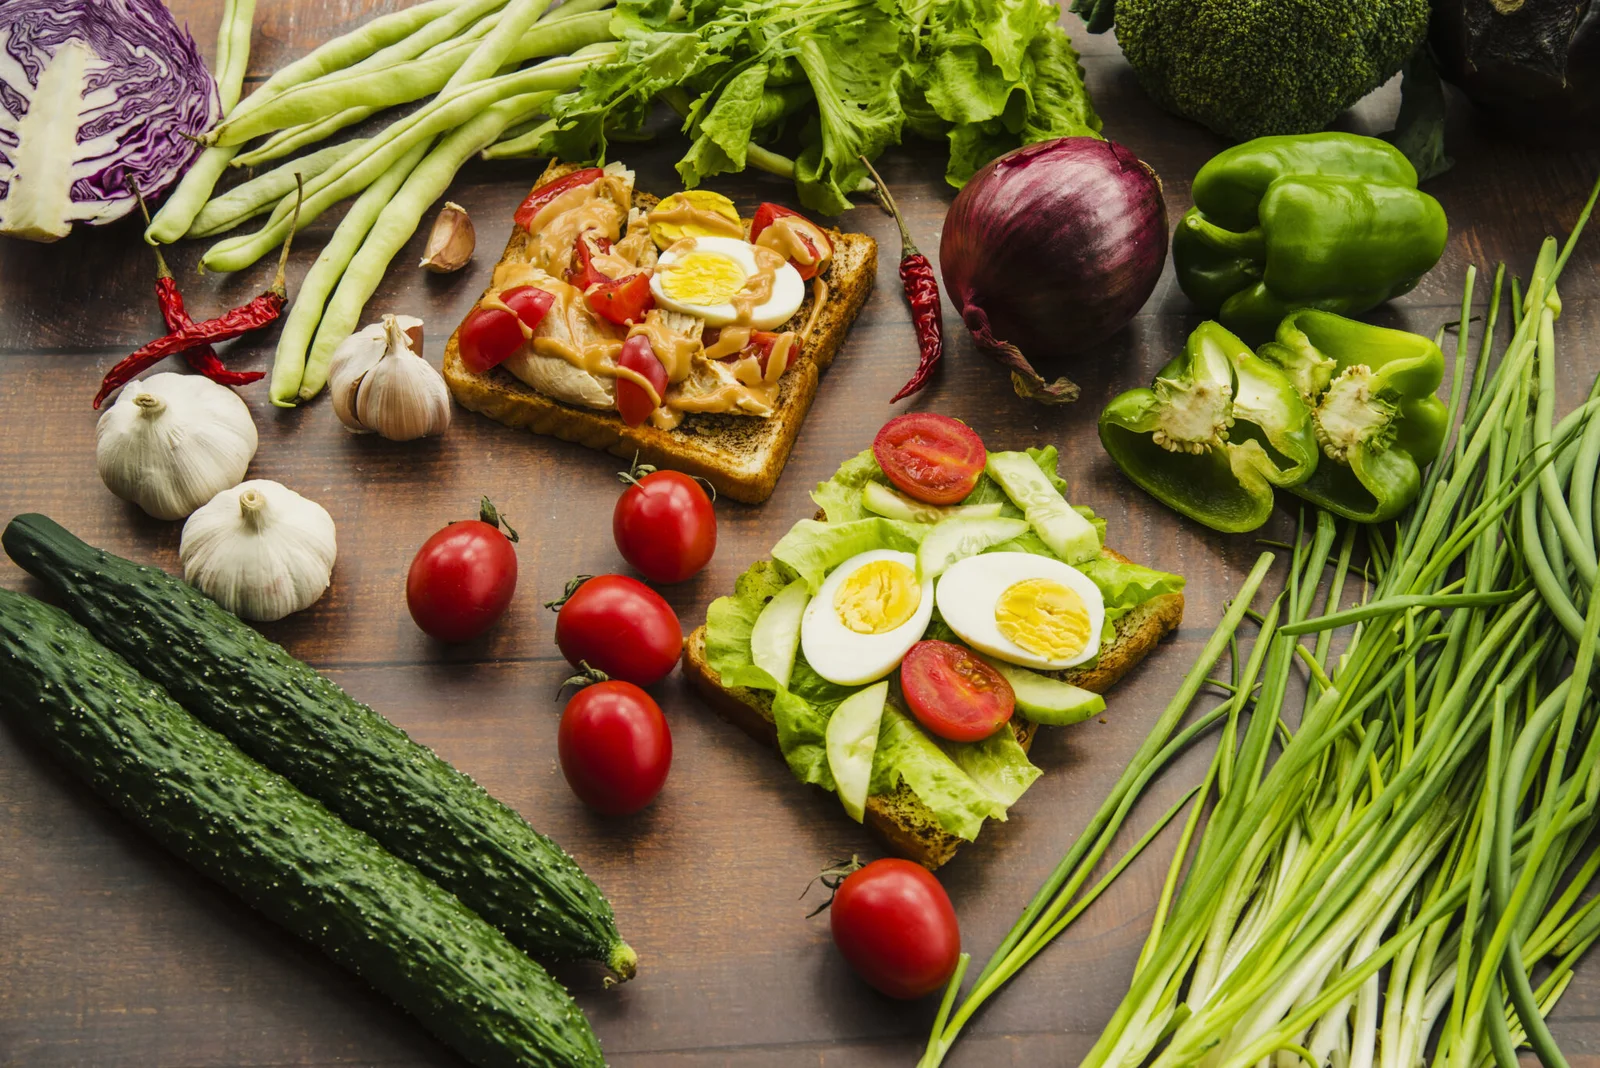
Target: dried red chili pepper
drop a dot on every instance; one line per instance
(922, 294)
(258, 311)
(202, 358)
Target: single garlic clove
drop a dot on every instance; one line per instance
(450, 242)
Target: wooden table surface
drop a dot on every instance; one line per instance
(113, 953)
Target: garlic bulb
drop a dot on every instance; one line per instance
(171, 442)
(381, 384)
(260, 550)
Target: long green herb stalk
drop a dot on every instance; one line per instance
(1386, 880)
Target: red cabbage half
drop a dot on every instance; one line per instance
(96, 97)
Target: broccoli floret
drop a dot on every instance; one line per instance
(1247, 68)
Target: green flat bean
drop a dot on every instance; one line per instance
(260, 194)
(348, 177)
(186, 201)
(396, 224)
(386, 86)
(233, 50)
(295, 138)
(289, 363)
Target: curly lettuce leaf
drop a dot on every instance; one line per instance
(812, 549)
(907, 754)
(723, 134)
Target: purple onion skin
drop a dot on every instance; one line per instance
(1050, 250)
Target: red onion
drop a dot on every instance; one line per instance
(1050, 250)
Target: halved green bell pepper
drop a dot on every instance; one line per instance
(1215, 432)
(1329, 220)
(1373, 409)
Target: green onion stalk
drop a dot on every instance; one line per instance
(1391, 839)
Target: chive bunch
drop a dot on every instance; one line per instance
(1404, 871)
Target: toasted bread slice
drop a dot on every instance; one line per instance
(900, 818)
(741, 455)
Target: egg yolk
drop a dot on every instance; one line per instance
(1044, 617)
(877, 597)
(703, 278)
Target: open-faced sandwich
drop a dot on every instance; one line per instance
(673, 330)
(902, 648)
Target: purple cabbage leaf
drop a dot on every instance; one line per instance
(97, 98)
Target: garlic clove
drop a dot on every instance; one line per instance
(171, 442)
(450, 242)
(260, 550)
(402, 396)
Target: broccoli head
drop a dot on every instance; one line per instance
(1247, 68)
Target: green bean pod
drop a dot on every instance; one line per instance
(260, 194)
(233, 50)
(395, 225)
(295, 138)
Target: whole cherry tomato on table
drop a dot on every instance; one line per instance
(664, 524)
(462, 579)
(615, 747)
(894, 924)
(619, 626)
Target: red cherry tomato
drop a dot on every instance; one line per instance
(894, 924)
(815, 240)
(634, 403)
(550, 190)
(462, 579)
(953, 693)
(623, 301)
(583, 273)
(615, 747)
(665, 526)
(491, 335)
(934, 458)
(621, 627)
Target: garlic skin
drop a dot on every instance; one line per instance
(260, 550)
(450, 242)
(171, 442)
(381, 385)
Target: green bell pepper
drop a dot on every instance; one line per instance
(1215, 432)
(1373, 409)
(1328, 220)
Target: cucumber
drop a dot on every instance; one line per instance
(1064, 532)
(892, 504)
(852, 740)
(962, 536)
(249, 829)
(1046, 701)
(776, 634)
(303, 726)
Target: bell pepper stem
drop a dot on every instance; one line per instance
(1250, 243)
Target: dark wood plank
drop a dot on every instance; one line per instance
(111, 953)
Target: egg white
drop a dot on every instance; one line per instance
(788, 290)
(844, 657)
(970, 589)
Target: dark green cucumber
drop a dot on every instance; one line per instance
(303, 726)
(249, 829)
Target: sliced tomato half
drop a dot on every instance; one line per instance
(634, 403)
(953, 693)
(543, 195)
(815, 240)
(490, 335)
(934, 458)
(622, 301)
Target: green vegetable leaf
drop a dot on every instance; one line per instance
(1125, 585)
(617, 96)
(840, 496)
(724, 133)
(1059, 105)
(907, 754)
(812, 549)
(729, 621)
(998, 765)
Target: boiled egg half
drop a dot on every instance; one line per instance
(865, 617)
(1029, 610)
(701, 276)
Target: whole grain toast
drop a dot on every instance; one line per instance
(900, 818)
(741, 455)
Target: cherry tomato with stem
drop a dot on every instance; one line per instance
(894, 923)
(953, 693)
(664, 524)
(614, 746)
(462, 579)
(934, 458)
(618, 626)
